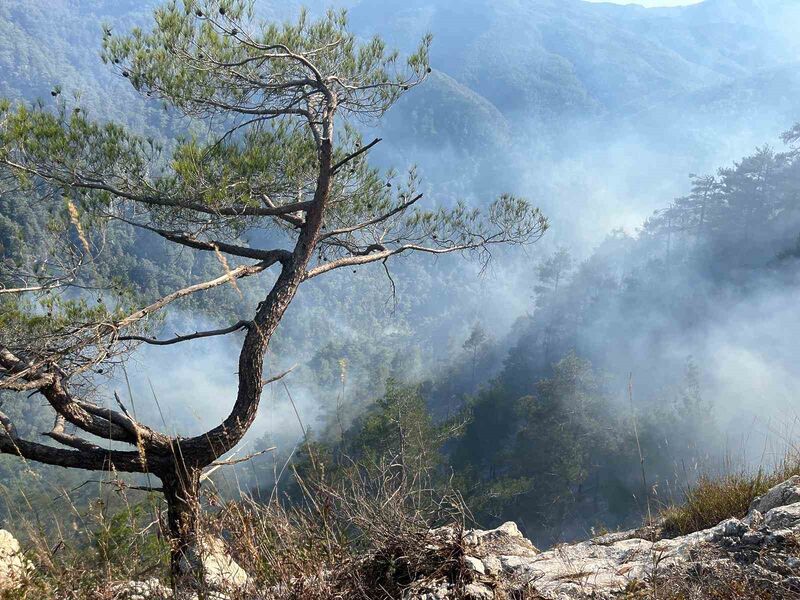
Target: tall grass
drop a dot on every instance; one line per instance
(714, 499)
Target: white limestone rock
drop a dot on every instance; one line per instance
(501, 562)
(220, 572)
(783, 517)
(475, 564)
(14, 567)
(782, 494)
(149, 589)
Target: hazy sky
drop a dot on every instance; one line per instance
(652, 2)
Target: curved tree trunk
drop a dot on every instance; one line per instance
(181, 474)
(182, 494)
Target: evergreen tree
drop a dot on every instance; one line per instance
(281, 156)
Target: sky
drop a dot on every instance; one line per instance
(652, 3)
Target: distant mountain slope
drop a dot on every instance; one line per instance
(49, 44)
(554, 57)
(767, 100)
(445, 108)
(517, 84)
(535, 62)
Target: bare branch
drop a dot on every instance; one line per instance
(366, 256)
(113, 417)
(391, 282)
(94, 459)
(80, 414)
(292, 219)
(396, 210)
(225, 463)
(189, 241)
(184, 338)
(358, 152)
(62, 437)
(32, 288)
(279, 376)
(15, 383)
(237, 273)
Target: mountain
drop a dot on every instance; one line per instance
(553, 57)
(519, 66)
(681, 89)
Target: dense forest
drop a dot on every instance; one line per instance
(577, 385)
(545, 426)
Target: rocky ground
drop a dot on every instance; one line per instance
(754, 557)
(757, 556)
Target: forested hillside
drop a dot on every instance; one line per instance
(625, 349)
(529, 385)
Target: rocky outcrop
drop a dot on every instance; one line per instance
(784, 494)
(14, 567)
(149, 589)
(759, 554)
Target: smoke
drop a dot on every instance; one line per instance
(189, 388)
(590, 175)
(753, 372)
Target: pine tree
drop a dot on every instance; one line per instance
(282, 155)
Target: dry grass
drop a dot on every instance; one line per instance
(368, 537)
(713, 499)
(80, 553)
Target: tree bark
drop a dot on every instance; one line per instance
(209, 446)
(182, 494)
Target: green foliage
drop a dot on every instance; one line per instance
(552, 270)
(208, 33)
(530, 456)
(742, 216)
(398, 424)
(132, 527)
(396, 429)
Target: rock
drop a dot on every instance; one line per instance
(150, 589)
(733, 528)
(475, 564)
(782, 494)
(477, 591)
(497, 541)
(492, 565)
(153, 589)
(760, 554)
(508, 530)
(431, 590)
(222, 577)
(753, 519)
(759, 546)
(753, 538)
(211, 558)
(14, 567)
(783, 517)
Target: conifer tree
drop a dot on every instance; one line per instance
(279, 105)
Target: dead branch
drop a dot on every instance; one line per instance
(185, 338)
